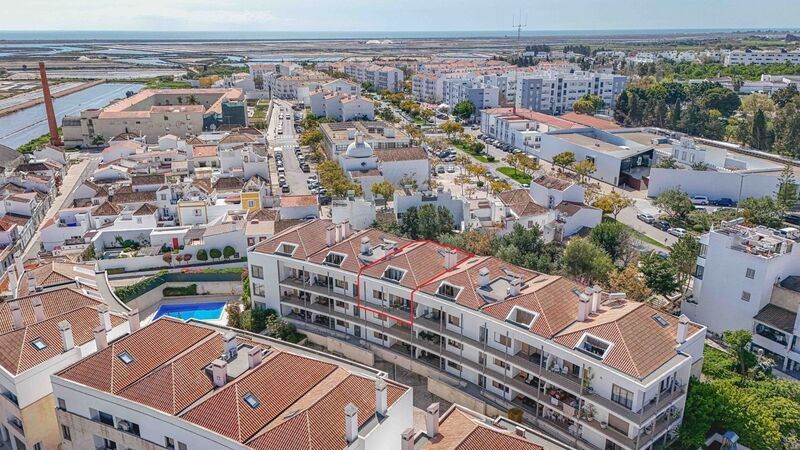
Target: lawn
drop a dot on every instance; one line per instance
(515, 175)
(461, 147)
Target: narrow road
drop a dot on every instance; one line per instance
(296, 178)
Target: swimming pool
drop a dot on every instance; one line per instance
(186, 311)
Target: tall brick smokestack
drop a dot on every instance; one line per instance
(55, 139)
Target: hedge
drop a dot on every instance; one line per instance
(180, 291)
(128, 293)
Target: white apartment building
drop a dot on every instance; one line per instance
(187, 386)
(556, 92)
(426, 87)
(746, 279)
(382, 77)
(747, 57)
(521, 127)
(43, 333)
(515, 338)
(482, 95)
(340, 106)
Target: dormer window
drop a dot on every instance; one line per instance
(448, 291)
(334, 259)
(39, 344)
(286, 249)
(393, 274)
(251, 400)
(594, 346)
(522, 317)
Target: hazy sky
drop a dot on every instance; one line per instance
(395, 15)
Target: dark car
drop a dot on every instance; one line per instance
(305, 168)
(662, 225)
(324, 200)
(285, 189)
(728, 202)
(793, 218)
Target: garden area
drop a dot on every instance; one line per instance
(242, 315)
(519, 177)
(130, 292)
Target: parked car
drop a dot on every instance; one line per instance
(451, 169)
(700, 200)
(662, 225)
(788, 232)
(793, 218)
(679, 232)
(646, 218)
(324, 200)
(285, 189)
(723, 202)
(440, 169)
(305, 168)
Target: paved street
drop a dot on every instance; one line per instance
(296, 178)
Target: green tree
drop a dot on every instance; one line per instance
(759, 137)
(384, 189)
(667, 163)
(311, 137)
(464, 109)
(721, 99)
(675, 202)
(613, 237)
(787, 129)
(564, 159)
(739, 342)
(683, 256)
(765, 211)
(783, 96)
(215, 253)
(409, 225)
(659, 274)
(434, 221)
(228, 252)
(202, 255)
(631, 282)
(787, 189)
(621, 107)
(586, 262)
(584, 169)
(234, 312)
(451, 128)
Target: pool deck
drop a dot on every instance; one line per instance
(150, 312)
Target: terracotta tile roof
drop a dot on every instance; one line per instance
(204, 184)
(552, 182)
(146, 209)
(571, 208)
(238, 138)
(55, 273)
(308, 236)
(150, 347)
(228, 184)
(294, 201)
(133, 197)
(521, 203)
(264, 214)
(204, 151)
(107, 208)
(459, 430)
(6, 225)
(590, 121)
(402, 154)
(351, 248)
(142, 180)
(421, 261)
(16, 219)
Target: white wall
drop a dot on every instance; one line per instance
(712, 184)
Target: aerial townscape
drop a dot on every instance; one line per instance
(287, 237)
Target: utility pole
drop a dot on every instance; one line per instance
(519, 24)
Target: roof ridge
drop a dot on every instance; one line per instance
(174, 390)
(21, 346)
(238, 412)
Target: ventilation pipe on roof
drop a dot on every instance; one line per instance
(105, 317)
(597, 295)
(219, 372)
(13, 282)
(381, 397)
(16, 314)
(350, 423)
(366, 248)
(67, 340)
(100, 337)
(432, 420)
(583, 307)
(683, 329)
(330, 235)
(134, 322)
(38, 309)
(407, 439)
(483, 277)
(254, 357)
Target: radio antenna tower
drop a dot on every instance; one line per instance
(519, 24)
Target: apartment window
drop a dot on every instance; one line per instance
(169, 442)
(698, 271)
(376, 294)
(751, 273)
(257, 272)
(622, 396)
(745, 296)
(37, 446)
(287, 249)
(340, 304)
(105, 418)
(341, 284)
(342, 323)
(181, 446)
(251, 204)
(455, 344)
(62, 404)
(378, 316)
(258, 290)
(454, 365)
(198, 213)
(499, 386)
(500, 363)
(66, 433)
(451, 292)
(378, 335)
(502, 339)
(454, 320)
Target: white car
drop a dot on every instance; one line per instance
(700, 200)
(679, 232)
(646, 218)
(451, 169)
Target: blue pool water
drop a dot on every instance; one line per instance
(186, 311)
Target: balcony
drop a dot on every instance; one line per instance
(16, 424)
(316, 288)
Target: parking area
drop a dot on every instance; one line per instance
(291, 179)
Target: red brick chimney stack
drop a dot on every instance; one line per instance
(55, 139)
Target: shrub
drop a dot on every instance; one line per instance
(234, 312)
(132, 291)
(202, 255)
(215, 253)
(228, 252)
(180, 291)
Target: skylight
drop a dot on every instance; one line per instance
(286, 249)
(251, 400)
(125, 357)
(660, 320)
(39, 344)
(448, 291)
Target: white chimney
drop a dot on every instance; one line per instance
(348, 229)
(381, 397)
(134, 322)
(230, 345)
(597, 295)
(432, 420)
(16, 314)
(514, 286)
(483, 277)
(100, 337)
(254, 356)
(583, 307)
(330, 235)
(450, 259)
(31, 283)
(105, 317)
(366, 248)
(13, 281)
(519, 431)
(407, 439)
(67, 340)
(683, 329)
(337, 230)
(38, 309)
(350, 423)
(219, 372)
(20, 268)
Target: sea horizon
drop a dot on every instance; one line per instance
(11, 36)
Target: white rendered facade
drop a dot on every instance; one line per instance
(556, 92)
(748, 57)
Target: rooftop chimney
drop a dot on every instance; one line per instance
(105, 317)
(230, 345)
(597, 295)
(254, 356)
(514, 286)
(350, 423)
(133, 320)
(100, 337)
(16, 314)
(450, 259)
(381, 397)
(483, 277)
(366, 248)
(337, 230)
(519, 431)
(330, 235)
(683, 329)
(407, 439)
(432, 420)
(55, 139)
(13, 281)
(583, 307)
(219, 372)
(67, 341)
(346, 229)
(32, 285)
(38, 309)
